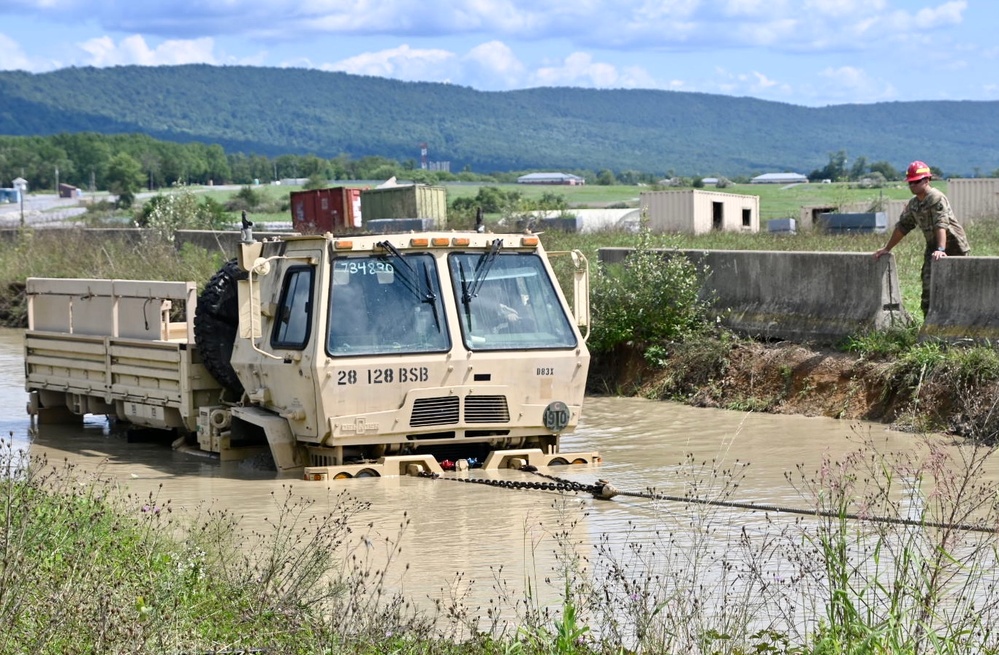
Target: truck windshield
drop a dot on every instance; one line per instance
(385, 304)
(514, 305)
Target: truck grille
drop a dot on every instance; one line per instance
(486, 409)
(446, 410)
(435, 411)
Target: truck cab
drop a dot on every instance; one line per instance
(454, 345)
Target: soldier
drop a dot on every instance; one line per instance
(929, 211)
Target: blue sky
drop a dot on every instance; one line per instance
(804, 52)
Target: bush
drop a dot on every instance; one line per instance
(179, 211)
(653, 298)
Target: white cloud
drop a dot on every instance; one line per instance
(851, 84)
(492, 65)
(949, 13)
(785, 25)
(580, 69)
(841, 8)
(403, 63)
(753, 83)
(104, 51)
(12, 57)
(763, 82)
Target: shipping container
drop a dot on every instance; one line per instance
(413, 201)
(974, 199)
(317, 211)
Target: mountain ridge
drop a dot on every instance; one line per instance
(274, 111)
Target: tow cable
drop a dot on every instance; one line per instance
(604, 490)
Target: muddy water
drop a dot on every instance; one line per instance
(471, 529)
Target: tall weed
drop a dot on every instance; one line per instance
(902, 557)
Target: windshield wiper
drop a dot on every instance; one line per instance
(469, 291)
(410, 277)
(430, 297)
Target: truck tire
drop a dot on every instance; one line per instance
(216, 321)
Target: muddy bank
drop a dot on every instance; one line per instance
(789, 378)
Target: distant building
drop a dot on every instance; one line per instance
(21, 184)
(551, 178)
(69, 191)
(695, 211)
(780, 178)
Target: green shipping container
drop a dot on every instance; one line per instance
(418, 201)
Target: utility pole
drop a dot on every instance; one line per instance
(20, 194)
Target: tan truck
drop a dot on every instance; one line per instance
(340, 356)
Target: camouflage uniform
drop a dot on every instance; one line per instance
(927, 214)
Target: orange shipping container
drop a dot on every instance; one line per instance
(326, 210)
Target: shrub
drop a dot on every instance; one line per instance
(180, 210)
(653, 298)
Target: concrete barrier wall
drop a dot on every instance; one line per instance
(964, 299)
(800, 296)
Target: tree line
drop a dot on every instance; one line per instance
(126, 164)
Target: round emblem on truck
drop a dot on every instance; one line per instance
(556, 416)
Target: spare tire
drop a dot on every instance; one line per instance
(216, 321)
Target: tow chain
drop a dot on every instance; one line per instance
(604, 490)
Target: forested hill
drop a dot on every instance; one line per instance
(274, 111)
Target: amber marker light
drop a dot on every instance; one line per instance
(439, 242)
(529, 241)
(460, 241)
(343, 245)
(419, 243)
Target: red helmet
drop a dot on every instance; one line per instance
(917, 170)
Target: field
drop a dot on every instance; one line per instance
(776, 201)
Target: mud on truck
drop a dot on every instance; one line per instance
(366, 355)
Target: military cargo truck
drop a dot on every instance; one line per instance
(340, 356)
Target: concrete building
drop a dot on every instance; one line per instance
(780, 178)
(551, 178)
(693, 211)
(974, 199)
